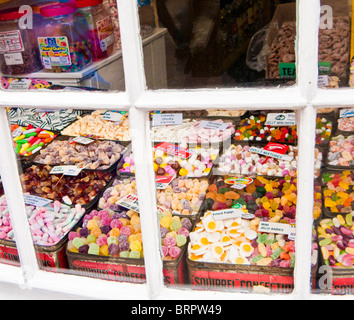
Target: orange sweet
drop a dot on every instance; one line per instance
(211, 195)
(220, 197)
(232, 195)
(213, 188)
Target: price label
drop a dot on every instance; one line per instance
(83, 140)
(162, 182)
(213, 125)
(174, 150)
(239, 182)
(278, 228)
(67, 170)
(230, 214)
(281, 119)
(346, 113)
(167, 119)
(113, 116)
(36, 201)
(272, 154)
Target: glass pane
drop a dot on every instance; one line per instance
(224, 179)
(68, 162)
(60, 44)
(335, 53)
(227, 43)
(333, 223)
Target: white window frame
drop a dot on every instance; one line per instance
(304, 97)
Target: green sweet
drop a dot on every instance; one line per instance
(124, 254)
(181, 240)
(78, 242)
(175, 225)
(111, 240)
(134, 254)
(91, 239)
(94, 249)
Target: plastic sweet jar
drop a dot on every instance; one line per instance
(98, 17)
(63, 40)
(18, 46)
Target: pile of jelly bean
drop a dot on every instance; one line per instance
(254, 129)
(48, 224)
(118, 234)
(271, 199)
(323, 130)
(317, 205)
(341, 152)
(237, 241)
(183, 196)
(336, 240)
(338, 191)
(28, 140)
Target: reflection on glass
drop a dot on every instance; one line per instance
(227, 43)
(56, 45)
(333, 203)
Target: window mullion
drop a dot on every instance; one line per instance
(308, 22)
(13, 191)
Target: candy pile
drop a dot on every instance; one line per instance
(183, 196)
(93, 124)
(82, 189)
(238, 159)
(199, 164)
(201, 134)
(98, 155)
(43, 118)
(225, 113)
(174, 234)
(254, 129)
(173, 134)
(108, 233)
(48, 224)
(323, 130)
(29, 140)
(317, 205)
(336, 240)
(341, 152)
(346, 124)
(118, 234)
(338, 191)
(119, 189)
(236, 241)
(273, 200)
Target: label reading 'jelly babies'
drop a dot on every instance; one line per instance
(281, 119)
(278, 228)
(54, 51)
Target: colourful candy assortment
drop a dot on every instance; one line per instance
(254, 129)
(336, 240)
(198, 165)
(271, 199)
(49, 224)
(338, 191)
(238, 159)
(29, 140)
(324, 128)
